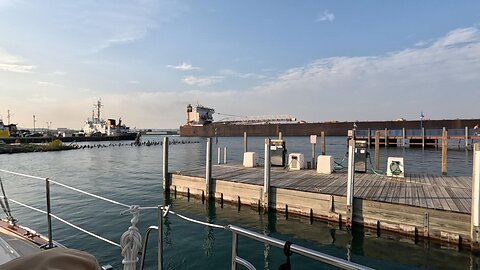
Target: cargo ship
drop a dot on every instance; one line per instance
(200, 123)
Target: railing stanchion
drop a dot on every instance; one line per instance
(234, 250)
(160, 238)
(49, 217)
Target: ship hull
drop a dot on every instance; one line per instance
(123, 137)
(330, 128)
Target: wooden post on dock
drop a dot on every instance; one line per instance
(475, 215)
(266, 178)
(368, 137)
(219, 155)
(245, 142)
(280, 137)
(225, 155)
(208, 169)
(377, 149)
(165, 180)
(444, 151)
(350, 181)
(322, 141)
(466, 137)
(403, 137)
(423, 137)
(386, 137)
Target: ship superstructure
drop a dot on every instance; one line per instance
(100, 127)
(199, 115)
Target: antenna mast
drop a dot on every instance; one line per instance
(98, 106)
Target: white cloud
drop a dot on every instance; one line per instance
(202, 81)
(184, 67)
(459, 36)
(133, 82)
(13, 63)
(233, 73)
(48, 83)
(326, 16)
(60, 73)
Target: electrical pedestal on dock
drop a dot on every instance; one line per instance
(361, 156)
(278, 153)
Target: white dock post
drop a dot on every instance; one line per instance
(166, 182)
(403, 137)
(225, 155)
(350, 181)
(208, 169)
(219, 155)
(280, 136)
(266, 178)
(245, 142)
(466, 137)
(475, 222)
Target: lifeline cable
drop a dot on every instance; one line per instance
(64, 221)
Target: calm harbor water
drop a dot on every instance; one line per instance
(132, 175)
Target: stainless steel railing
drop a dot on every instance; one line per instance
(310, 253)
(237, 260)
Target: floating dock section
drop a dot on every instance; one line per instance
(419, 206)
(435, 207)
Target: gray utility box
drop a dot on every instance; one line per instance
(278, 153)
(361, 156)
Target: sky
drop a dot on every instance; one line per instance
(315, 60)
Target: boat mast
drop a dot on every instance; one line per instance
(98, 106)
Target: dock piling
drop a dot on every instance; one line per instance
(225, 155)
(219, 155)
(475, 215)
(350, 181)
(166, 182)
(403, 138)
(368, 138)
(386, 137)
(313, 154)
(423, 137)
(466, 137)
(208, 169)
(444, 151)
(322, 142)
(377, 150)
(266, 178)
(245, 142)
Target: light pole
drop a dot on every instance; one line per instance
(421, 119)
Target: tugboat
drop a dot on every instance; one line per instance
(98, 127)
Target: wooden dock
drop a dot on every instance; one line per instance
(436, 207)
(427, 191)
